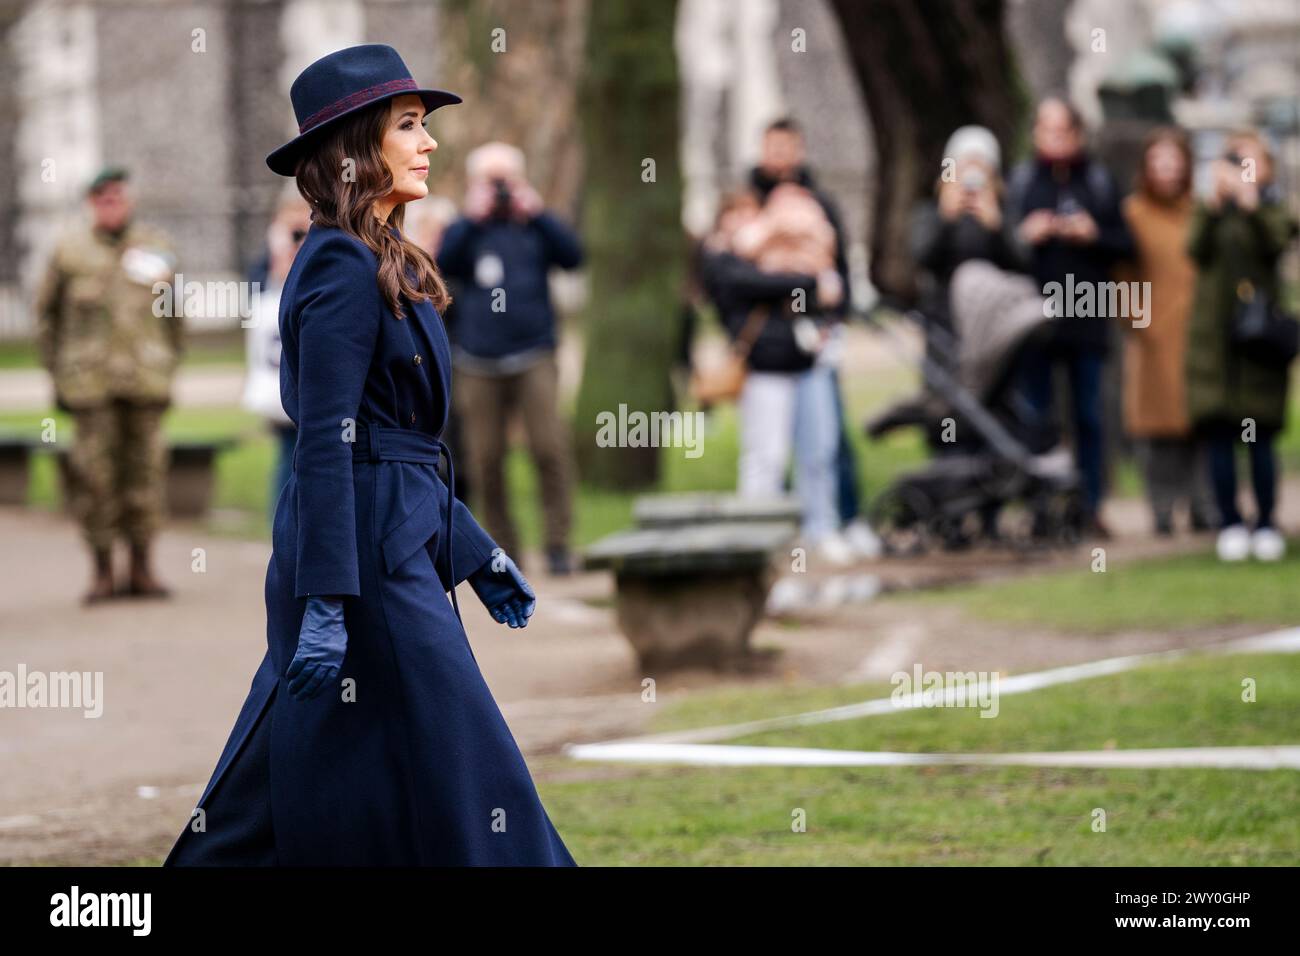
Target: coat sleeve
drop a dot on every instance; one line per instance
(471, 546)
(1273, 228)
(1017, 202)
(48, 310)
(563, 247)
(339, 309)
(740, 280)
(928, 236)
(832, 211)
(453, 254)
(1200, 234)
(1113, 237)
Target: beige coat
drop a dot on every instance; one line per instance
(1155, 387)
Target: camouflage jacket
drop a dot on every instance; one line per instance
(97, 331)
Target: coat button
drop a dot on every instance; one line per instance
(417, 360)
(412, 418)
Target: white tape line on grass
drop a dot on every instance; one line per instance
(718, 755)
(1287, 641)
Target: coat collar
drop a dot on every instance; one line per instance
(426, 317)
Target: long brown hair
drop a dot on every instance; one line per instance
(341, 178)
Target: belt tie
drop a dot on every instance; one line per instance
(403, 444)
(451, 509)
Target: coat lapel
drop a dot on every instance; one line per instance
(430, 323)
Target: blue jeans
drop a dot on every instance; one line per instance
(1084, 368)
(818, 429)
(846, 461)
(1222, 453)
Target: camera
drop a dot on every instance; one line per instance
(973, 181)
(501, 203)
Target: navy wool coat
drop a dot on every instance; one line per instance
(408, 761)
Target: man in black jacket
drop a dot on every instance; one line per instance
(783, 159)
(762, 310)
(1067, 209)
(504, 340)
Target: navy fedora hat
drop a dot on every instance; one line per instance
(342, 83)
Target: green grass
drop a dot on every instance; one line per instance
(929, 817)
(223, 348)
(1186, 703)
(969, 816)
(1189, 590)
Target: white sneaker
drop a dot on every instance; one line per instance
(1233, 543)
(1267, 544)
(836, 551)
(862, 539)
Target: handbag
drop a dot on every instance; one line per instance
(723, 380)
(1260, 330)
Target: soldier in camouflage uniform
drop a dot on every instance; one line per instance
(113, 361)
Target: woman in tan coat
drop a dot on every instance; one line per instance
(1155, 391)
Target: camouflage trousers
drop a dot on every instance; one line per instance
(118, 471)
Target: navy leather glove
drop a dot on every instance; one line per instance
(322, 642)
(504, 591)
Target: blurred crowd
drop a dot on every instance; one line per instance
(1205, 367)
(1205, 373)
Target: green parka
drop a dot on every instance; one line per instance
(1228, 246)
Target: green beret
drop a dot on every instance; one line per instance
(109, 174)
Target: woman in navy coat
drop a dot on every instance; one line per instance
(369, 736)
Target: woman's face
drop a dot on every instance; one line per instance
(406, 148)
(1055, 135)
(1166, 170)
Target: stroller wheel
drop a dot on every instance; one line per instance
(1059, 518)
(962, 531)
(903, 517)
(1069, 518)
(1020, 526)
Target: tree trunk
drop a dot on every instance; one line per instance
(517, 65)
(925, 69)
(632, 230)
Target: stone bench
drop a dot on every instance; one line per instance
(15, 461)
(675, 511)
(690, 595)
(191, 475)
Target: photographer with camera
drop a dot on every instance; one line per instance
(500, 252)
(964, 220)
(1241, 340)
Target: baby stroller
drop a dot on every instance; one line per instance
(999, 474)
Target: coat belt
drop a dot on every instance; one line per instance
(375, 443)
